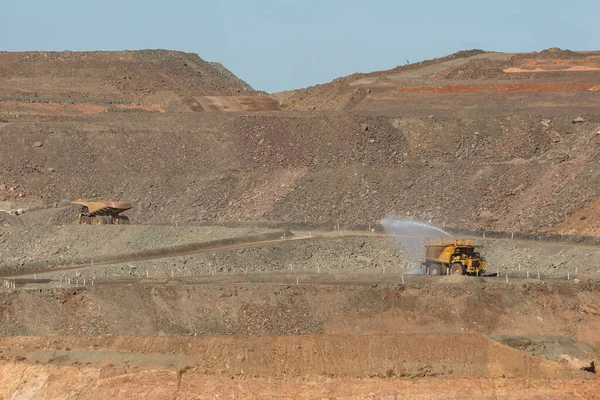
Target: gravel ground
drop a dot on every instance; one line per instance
(291, 256)
(31, 248)
(362, 255)
(552, 259)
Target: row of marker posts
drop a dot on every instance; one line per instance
(10, 284)
(70, 281)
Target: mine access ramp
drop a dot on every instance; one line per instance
(102, 212)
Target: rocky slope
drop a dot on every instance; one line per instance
(73, 83)
(463, 72)
(517, 173)
(445, 141)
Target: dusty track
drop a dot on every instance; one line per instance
(157, 254)
(237, 244)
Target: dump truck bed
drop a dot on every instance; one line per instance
(96, 207)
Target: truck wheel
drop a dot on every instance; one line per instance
(123, 220)
(85, 220)
(457, 269)
(108, 220)
(435, 269)
(98, 220)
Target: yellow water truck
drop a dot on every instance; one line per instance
(457, 257)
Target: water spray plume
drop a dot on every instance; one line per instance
(411, 236)
(413, 229)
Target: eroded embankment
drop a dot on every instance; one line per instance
(412, 366)
(211, 307)
(351, 356)
(34, 381)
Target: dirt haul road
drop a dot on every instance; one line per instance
(258, 250)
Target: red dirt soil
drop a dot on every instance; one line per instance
(70, 110)
(499, 88)
(23, 380)
(384, 366)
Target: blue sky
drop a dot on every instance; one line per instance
(286, 44)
